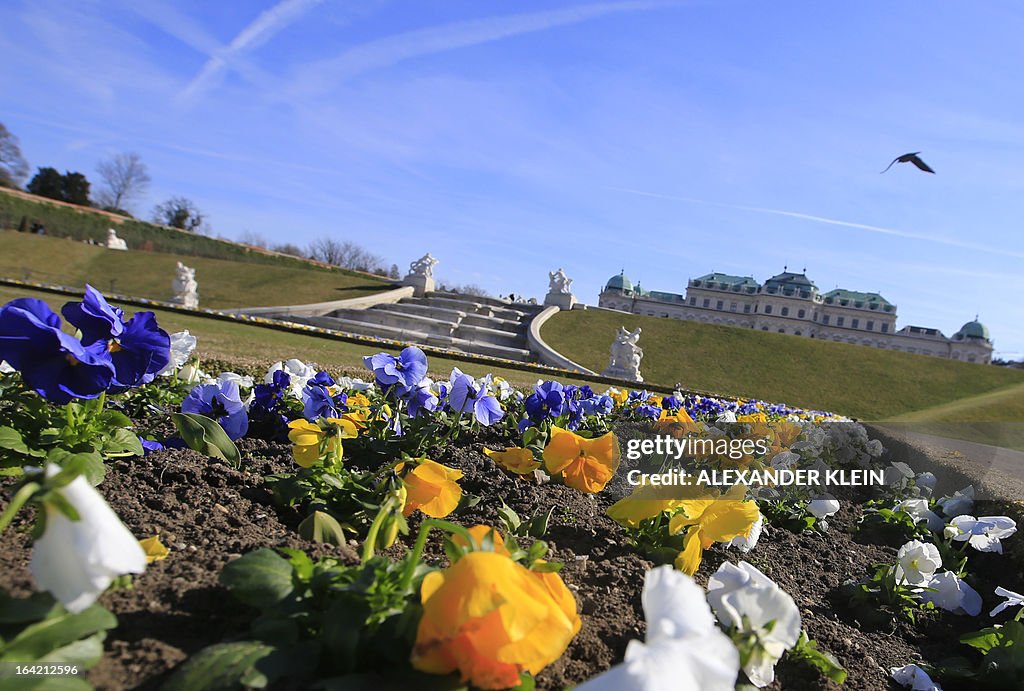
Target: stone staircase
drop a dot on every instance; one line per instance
(480, 325)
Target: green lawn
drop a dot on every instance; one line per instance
(863, 382)
(254, 346)
(995, 418)
(222, 283)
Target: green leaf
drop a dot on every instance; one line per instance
(84, 653)
(89, 464)
(322, 527)
(206, 436)
(218, 667)
(258, 579)
(10, 438)
(16, 610)
(806, 651)
(42, 638)
(343, 623)
(122, 442)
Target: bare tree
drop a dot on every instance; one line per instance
(124, 178)
(179, 212)
(252, 238)
(289, 248)
(394, 272)
(470, 289)
(13, 166)
(346, 254)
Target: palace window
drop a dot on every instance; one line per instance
(693, 301)
(840, 321)
(767, 309)
(707, 302)
(824, 319)
(785, 312)
(718, 305)
(885, 328)
(871, 325)
(732, 306)
(856, 323)
(746, 309)
(801, 314)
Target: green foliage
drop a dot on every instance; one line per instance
(33, 430)
(38, 630)
(536, 526)
(883, 590)
(898, 524)
(206, 436)
(317, 620)
(790, 514)
(806, 651)
(1001, 664)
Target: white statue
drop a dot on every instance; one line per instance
(186, 290)
(559, 283)
(424, 266)
(114, 242)
(626, 356)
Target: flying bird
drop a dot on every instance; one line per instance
(910, 158)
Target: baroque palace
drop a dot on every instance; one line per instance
(790, 303)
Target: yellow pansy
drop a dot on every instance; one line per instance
(584, 464)
(432, 488)
(312, 441)
(514, 459)
(491, 619)
(619, 397)
(479, 533)
(647, 501)
(710, 520)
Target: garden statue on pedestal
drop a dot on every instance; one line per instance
(186, 290)
(626, 356)
(114, 242)
(559, 290)
(421, 275)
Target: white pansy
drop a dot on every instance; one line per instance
(353, 384)
(746, 600)
(726, 416)
(182, 345)
(983, 534)
(926, 483)
(190, 374)
(823, 506)
(243, 382)
(298, 372)
(785, 460)
(502, 389)
(917, 562)
(683, 649)
(898, 475)
(5, 368)
(77, 560)
(919, 511)
(960, 503)
(745, 543)
(913, 677)
(949, 592)
(1012, 600)
(874, 448)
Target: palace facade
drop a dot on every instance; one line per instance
(791, 303)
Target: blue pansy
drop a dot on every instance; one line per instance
(422, 398)
(318, 402)
(56, 365)
(597, 405)
(547, 400)
(139, 348)
(406, 370)
(648, 410)
(266, 417)
(465, 396)
(221, 402)
(671, 403)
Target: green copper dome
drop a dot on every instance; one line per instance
(974, 329)
(619, 282)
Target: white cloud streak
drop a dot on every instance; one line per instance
(895, 232)
(322, 76)
(258, 32)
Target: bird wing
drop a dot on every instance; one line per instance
(921, 164)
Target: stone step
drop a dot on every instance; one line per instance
(398, 320)
(493, 302)
(471, 306)
(485, 334)
(364, 328)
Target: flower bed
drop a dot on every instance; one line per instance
(300, 529)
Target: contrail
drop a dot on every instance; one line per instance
(949, 242)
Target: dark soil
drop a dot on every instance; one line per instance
(209, 513)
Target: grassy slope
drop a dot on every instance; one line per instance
(863, 382)
(222, 283)
(247, 344)
(995, 418)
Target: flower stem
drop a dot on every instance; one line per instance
(416, 555)
(371, 536)
(17, 501)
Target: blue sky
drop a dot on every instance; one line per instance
(511, 138)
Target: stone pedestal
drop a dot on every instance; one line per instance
(622, 373)
(563, 301)
(626, 356)
(421, 284)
